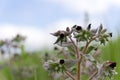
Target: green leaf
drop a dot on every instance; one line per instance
(102, 41)
(58, 39)
(90, 48)
(103, 31)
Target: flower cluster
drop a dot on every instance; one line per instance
(78, 53)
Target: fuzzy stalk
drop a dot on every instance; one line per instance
(70, 75)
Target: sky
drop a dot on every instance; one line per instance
(36, 19)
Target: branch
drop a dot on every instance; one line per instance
(93, 75)
(71, 76)
(76, 48)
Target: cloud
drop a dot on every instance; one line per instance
(91, 6)
(37, 38)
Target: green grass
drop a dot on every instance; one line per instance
(30, 61)
(112, 52)
(109, 52)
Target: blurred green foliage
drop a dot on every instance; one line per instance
(27, 66)
(32, 61)
(112, 52)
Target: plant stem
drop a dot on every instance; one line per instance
(79, 69)
(86, 46)
(91, 77)
(76, 48)
(71, 76)
(80, 60)
(79, 57)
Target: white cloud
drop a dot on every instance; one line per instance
(36, 37)
(62, 24)
(91, 6)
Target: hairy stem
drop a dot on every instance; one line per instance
(86, 46)
(91, 77)
(80, 60)
(71, 76)
(76, 48)
(79, 68)
(79, 57)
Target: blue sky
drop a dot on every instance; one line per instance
(32, 12)
(37, 18)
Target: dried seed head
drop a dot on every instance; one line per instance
(96, 48)
(62, 61)
(55, 48)
(110, 34)
(62, 35)
(78, 28)
(89, 27)
(100, 28)
(74, 26)
(68, 29)
(112, 65)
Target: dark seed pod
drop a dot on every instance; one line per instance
(74, 26)
(62, 35)
(68, 29)
(89, 27)
(78, 28)
(112, 65)
(100, 28)
(110, 34)
(62, 61)
(95, 48)
(55, 48)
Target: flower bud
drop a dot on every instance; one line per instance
(112, 65)
(100, 28)
(55, 48)
(62, 35)
(110, 34)
(68, 29)
(89, 27)
(78, 28)
(62, 61)
(74, 26)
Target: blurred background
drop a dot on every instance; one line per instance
(36, 19)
